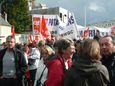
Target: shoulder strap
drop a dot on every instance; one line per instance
(42, 74)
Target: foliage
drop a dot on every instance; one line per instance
(18, 14)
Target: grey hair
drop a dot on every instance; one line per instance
(10, 37)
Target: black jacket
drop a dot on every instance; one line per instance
(109, 62)
(20, 62)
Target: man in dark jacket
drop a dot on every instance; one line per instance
(12, 64)
(107, 44)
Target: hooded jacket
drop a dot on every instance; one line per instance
(87, 73)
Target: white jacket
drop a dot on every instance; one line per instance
(40, 69)
(35, 54)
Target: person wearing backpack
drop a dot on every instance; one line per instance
(88, 70)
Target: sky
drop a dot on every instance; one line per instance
(96, 10)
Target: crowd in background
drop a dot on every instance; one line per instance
(62, 62)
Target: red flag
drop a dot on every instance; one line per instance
(86, 32)
(44, 30)
(12, 30)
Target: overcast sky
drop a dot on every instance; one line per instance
(96, 10)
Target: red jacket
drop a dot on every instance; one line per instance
(55, 72)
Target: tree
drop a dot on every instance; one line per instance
(18, 14)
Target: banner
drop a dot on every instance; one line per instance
(56, 26)
(50, 20)
(36, 25)
(69, 29)
(92, 31)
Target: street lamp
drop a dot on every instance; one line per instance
(86, 9)
(85, 17)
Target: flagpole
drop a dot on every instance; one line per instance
(40, 26)
(78, 34)
(32, 26)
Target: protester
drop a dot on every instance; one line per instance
(88, 70)
(3, 45)
(12, 64)
(27, 80)
(42, 71)
(107, 44)
(33, 60)
(58, 65)
(25, 50)
(77, 44)
(97, 36)
(50, 42)
(113, 30)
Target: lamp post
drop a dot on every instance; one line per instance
(85, 17)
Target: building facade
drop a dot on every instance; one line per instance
(5, 30)
(42, 9)
(104, 24)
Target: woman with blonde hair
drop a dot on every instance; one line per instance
(42, 71)
(88, 71)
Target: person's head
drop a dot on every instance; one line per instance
(51, 41)
(107, 45)
(41, 43)
(3, 45)
(18, 46)
(25, 48)
(56, 46)
(10, 42)
(66, 48)
(46, 52)
(113, 30)
(77, 44)
(90, 48)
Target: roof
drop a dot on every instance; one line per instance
(3, 22)
(52, 10)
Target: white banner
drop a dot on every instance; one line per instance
(93, 31)
(69, 29)
(51, 22)
(56, 26)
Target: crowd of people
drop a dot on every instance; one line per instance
(58, 62)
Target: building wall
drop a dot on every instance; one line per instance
(4, 32)
(105, 24)
(63, 13)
